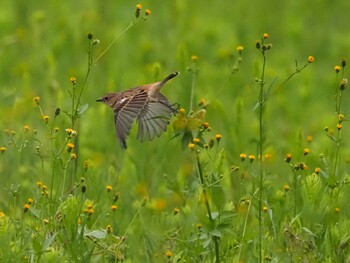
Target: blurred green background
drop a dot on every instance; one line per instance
(44, 43)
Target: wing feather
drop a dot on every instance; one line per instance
(154, 118)
(125, 113)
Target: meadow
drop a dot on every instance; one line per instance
(253, 167)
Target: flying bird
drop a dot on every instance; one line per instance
(146, 104)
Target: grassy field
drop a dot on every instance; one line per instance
(253, 168)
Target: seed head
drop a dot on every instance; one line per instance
(343, 62)
(343, 84)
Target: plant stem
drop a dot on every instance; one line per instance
(261, 140)
(206, 201)
(194, 73)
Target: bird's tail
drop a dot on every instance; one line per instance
(172, 75)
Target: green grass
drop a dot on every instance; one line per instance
(167, 202)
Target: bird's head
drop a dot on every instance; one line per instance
(109, 99)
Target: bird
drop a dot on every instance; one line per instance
(146, 104)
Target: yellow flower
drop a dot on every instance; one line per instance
(182, 111)
(306, 151)
(3, 149)
(37, 100)
(147, 12)
(168, 253)
(45, 221)
(114, 207)
(191, 146)
(268, 156)
(266, 35)
(2, 214)
(46, 118)
(240, 49)
(337, 68)
(202, 102)
(243, 156)
(309, 138)
(218, 137)
(317, 170)
(196, 140)
(205, 125)
(73, 80)
(265, 209)
(109, 188)
(71, 132)
(73, 156)
(341, 117)
(89, 211)
(26, 128)
(288, 157)
(70, 146)
(30, 201)
(310, 59)
(194, 58)
(137, 11)
(286, 187)
(251, 157)
(339, 126)
(337, 210)
(26, 207)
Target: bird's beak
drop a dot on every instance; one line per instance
(99, 100)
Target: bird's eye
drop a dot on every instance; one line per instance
(105, 98)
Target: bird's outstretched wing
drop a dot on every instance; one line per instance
(125, 112)
(154, 118)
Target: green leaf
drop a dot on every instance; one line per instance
(218, 196)
(214, 215)
(96, 234)
(216, 233)
(82, 109)
(48, 241)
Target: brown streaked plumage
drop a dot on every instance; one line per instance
(146, 104)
